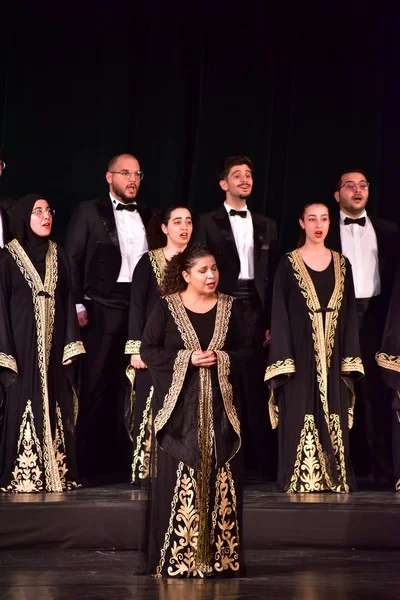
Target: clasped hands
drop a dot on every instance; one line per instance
(203, 358)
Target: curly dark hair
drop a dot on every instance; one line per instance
(172, 279)
(233, 161)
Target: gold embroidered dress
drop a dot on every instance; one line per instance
(38, 406)
(313, 361)
(195, 492)
(147, 276)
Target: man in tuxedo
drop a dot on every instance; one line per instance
(371, 246)
(6, 205)
(105, 240)
(244, 245)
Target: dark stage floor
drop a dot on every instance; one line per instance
(275, 574)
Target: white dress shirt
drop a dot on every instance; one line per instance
(132, 240)
(244, 239)
(359, 245)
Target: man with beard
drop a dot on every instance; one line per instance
(6, 204)
(371, 246)
(105, 240)
(244, 245)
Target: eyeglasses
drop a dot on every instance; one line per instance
(128, 174)
(40, 212)
(352, 185)
(2, 164)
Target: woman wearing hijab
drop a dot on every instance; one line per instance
(39, 337)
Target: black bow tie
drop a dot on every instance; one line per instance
(239, 213)
(360, 221)
(130, 207)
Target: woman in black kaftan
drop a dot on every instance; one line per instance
(176, 225)
(388, 358)
(39, 336)
(195, 492)
(313, 361)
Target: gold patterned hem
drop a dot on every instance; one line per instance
(280, 367)
(311, 473)
(350, 364)
(141, 454)
(225, 526)
(7, 361)
(388, 361)
(133, 347)
(397, 487)
(73, 349)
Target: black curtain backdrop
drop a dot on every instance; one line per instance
(303, 88)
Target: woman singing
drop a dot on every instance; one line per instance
(176, 225)
(39, 337)
(313, 361)
(194, 346)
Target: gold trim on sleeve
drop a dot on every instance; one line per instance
(133, 347)
(8, 362)
(73, 349)
(280, 367)
(350, 364)
(158, 263)
(388, 361)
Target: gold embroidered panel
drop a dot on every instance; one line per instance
(73, 349)
(133, 347)
(280, 367)
(350, 364)
(158, 263)
(8, 362)
(388, 361)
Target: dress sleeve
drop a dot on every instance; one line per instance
(351, 363)
(388, 355)
(281, 360)
(141, 282)
(153, 350)
(73, 345)
(8, 362)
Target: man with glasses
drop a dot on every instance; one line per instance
(6, 204)
(105, 240)
(370, 244)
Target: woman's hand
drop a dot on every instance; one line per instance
(204, 358)
(137, 363)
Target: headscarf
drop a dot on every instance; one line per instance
(34, 245)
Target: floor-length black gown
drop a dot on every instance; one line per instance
(38, 331)
(195, 492)
(314, 359)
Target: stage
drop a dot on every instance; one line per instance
(110, 517)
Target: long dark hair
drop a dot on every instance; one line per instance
(173, 279)
(155, 235)
(302, 235)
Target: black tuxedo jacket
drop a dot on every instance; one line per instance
(214, 231)
(387, 237)
(93, 250)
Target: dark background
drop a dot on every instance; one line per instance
(303, 88)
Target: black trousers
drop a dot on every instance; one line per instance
(103, 445)
(260, 444)
(370, 438)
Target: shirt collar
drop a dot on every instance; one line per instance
(228, 208)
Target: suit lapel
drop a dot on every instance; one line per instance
(221, 219)
(258, 235)
(106, 213)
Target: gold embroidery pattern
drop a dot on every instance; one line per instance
(43, 297)
(351, 364)
(337, 442)
(8, 362)
(397, 485)
(133, 347)
(73, 349)
(184, 522)
(27, 473)
(280, 367)
(158, 263)
(323, 340)
(273, 410)
(388, 361)
(224, 518)
(310, 472)
(141, 455)
(59, 452)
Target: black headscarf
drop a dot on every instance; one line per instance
(34, 245)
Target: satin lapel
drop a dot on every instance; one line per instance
(221, 219)
(380, 241)
(106, 213)
(258, 235)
